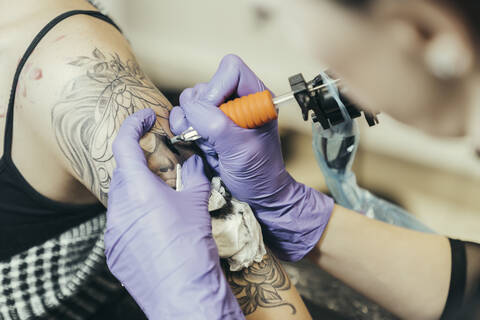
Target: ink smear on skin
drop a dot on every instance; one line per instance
(36, 74)
(59, 38)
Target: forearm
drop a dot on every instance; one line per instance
(406, 272)
(264, 291)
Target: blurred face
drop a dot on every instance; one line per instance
(381, 60)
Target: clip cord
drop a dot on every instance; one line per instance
(333, 90)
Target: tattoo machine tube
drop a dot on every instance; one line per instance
(335, 150)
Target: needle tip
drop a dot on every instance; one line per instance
(175, 139)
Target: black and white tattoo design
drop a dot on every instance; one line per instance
(91, 110)
(259, 285)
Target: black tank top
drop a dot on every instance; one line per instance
(27, 218)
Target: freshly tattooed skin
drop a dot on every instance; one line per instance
(109, 91)
(259, 285)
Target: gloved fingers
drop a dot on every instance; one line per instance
(209, 121)
(210, 154)
(126, 147)
(191, 94)
(186, 96)
(193, 176)
(232, 77)
(199, 90)
(213, 163)
(178, 121)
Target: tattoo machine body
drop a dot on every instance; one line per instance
(322, 98)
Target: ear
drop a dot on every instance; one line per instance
(435, 33)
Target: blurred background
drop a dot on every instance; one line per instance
(180, 43)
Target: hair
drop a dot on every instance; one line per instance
(468, 9)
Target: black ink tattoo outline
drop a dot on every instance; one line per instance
(258, 285)
(91, 110)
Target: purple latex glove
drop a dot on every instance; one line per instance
(159, 241)
(250, 162)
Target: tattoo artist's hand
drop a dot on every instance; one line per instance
(250, 163)
(158, 241)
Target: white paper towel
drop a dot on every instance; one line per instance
(235, 229)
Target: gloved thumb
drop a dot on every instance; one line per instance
(209, 121)
(126, 147)
(178, 121)
(193, 176)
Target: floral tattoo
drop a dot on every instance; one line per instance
(91, 110)
(259, 285)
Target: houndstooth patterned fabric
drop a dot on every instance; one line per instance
(64, 278)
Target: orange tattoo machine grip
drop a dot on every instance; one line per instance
(251, 111)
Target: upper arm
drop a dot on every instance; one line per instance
(91, 82)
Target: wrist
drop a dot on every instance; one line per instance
(282, 198)
(296, 223)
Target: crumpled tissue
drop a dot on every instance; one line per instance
(235, 229)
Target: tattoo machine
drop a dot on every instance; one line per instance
(322, 98)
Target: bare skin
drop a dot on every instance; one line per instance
(77, 87)
(406, 272)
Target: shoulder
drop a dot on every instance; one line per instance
(70, 54)
(85, 82)
(68, 80)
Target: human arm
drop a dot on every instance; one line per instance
(264, 291)
(405, 271)
(74, 92)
